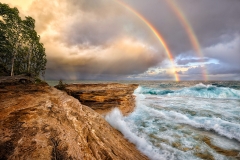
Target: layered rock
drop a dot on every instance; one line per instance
(103, 97)
(41, 122)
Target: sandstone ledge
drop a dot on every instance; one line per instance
(103, 97)
(41, 122)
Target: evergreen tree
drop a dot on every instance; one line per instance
(20, 47)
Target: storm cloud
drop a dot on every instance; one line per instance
(89, 39)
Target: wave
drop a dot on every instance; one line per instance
(116, 120)
(222, 127)
(199, 90)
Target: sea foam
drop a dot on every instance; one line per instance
(199, 90)
(224, 128)
(116, 120)
(165, 123)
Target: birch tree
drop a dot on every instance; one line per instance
(20, 50)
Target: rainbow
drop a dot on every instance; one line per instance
(156, 33)
(192, 36)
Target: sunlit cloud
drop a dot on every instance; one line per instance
(87, 39)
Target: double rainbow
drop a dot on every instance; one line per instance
(157, 34)
(187, 27)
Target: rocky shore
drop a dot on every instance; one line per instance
(103, 97)
(42, 122)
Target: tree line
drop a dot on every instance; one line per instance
(20, 49)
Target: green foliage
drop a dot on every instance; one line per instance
(60, 85)
(39, 81)
(3, 71)
(20, 49)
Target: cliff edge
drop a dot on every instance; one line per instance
(103, 97)
(41, 122)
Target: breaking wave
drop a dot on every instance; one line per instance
(199, 90)
(186, 123)
(116, 120)
(222, 127)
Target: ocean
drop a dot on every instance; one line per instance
(183, 120)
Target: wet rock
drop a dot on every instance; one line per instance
(230, 153)
(205, 155)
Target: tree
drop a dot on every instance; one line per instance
(20, 50)
(5, 60)
(12, 32)
(30, 37)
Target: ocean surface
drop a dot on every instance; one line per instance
(183, 120)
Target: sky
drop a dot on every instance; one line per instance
(112, 39)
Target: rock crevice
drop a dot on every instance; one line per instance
(103, 97)
(41, 122)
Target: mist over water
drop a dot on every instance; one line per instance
(185, 120)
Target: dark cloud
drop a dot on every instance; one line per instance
(146, 76)
(215, 71)
(87, 39)
(226, 52)
(194, 70)
(123, 57)
(212, 21)
(216, 25)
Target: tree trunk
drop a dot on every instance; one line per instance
(15, 53)
(29, 58)
(12, 72)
